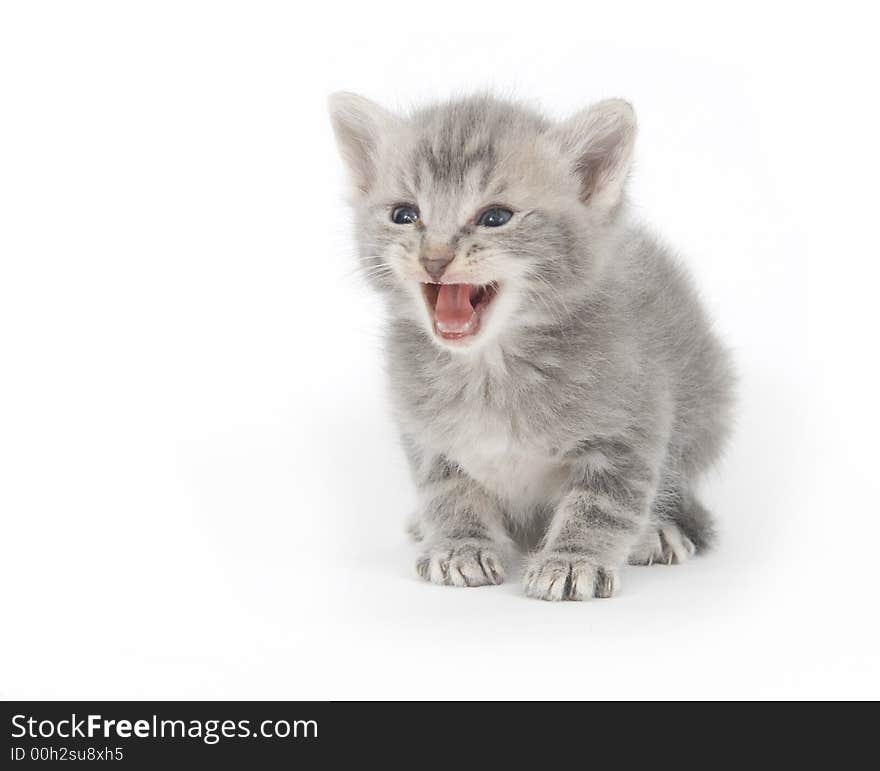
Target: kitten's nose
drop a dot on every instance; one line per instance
(434, 260)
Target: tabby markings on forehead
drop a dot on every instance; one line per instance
(449, 162)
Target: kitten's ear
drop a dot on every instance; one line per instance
(599, 142)
(360, 125)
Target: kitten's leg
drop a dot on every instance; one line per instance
(463, 530)
(595, 527)
(694, 521)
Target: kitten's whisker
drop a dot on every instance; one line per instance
(375, 271)
(540, 296)
(559, 312)
(381, 269)
(556, 294)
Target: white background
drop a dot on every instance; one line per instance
(201, 494)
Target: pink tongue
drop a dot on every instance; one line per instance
(454, 310)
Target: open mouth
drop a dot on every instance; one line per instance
(457, 309)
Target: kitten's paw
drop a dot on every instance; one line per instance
(461, 563)
(666, 545)
(414, 530)
(561, 576)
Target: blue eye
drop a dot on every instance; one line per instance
(405, 215)
(494, 218)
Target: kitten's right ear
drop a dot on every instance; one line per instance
(360, 126)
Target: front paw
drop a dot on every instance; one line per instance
(563, 576)
(461, 563)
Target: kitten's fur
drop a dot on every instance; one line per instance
(594, 393)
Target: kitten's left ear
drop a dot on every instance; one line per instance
(360, 126)
(598, 142)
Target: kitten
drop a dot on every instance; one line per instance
(551, 367)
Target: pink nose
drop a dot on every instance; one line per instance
(434, 261)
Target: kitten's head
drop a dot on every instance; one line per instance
(478, 217)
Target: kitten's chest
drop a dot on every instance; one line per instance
(520, 469)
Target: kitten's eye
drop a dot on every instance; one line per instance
(405, 215)
(494, 218)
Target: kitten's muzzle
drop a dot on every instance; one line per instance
(436, 260)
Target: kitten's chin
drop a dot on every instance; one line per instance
(458, 312)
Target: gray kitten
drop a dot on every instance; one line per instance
(556, 382)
